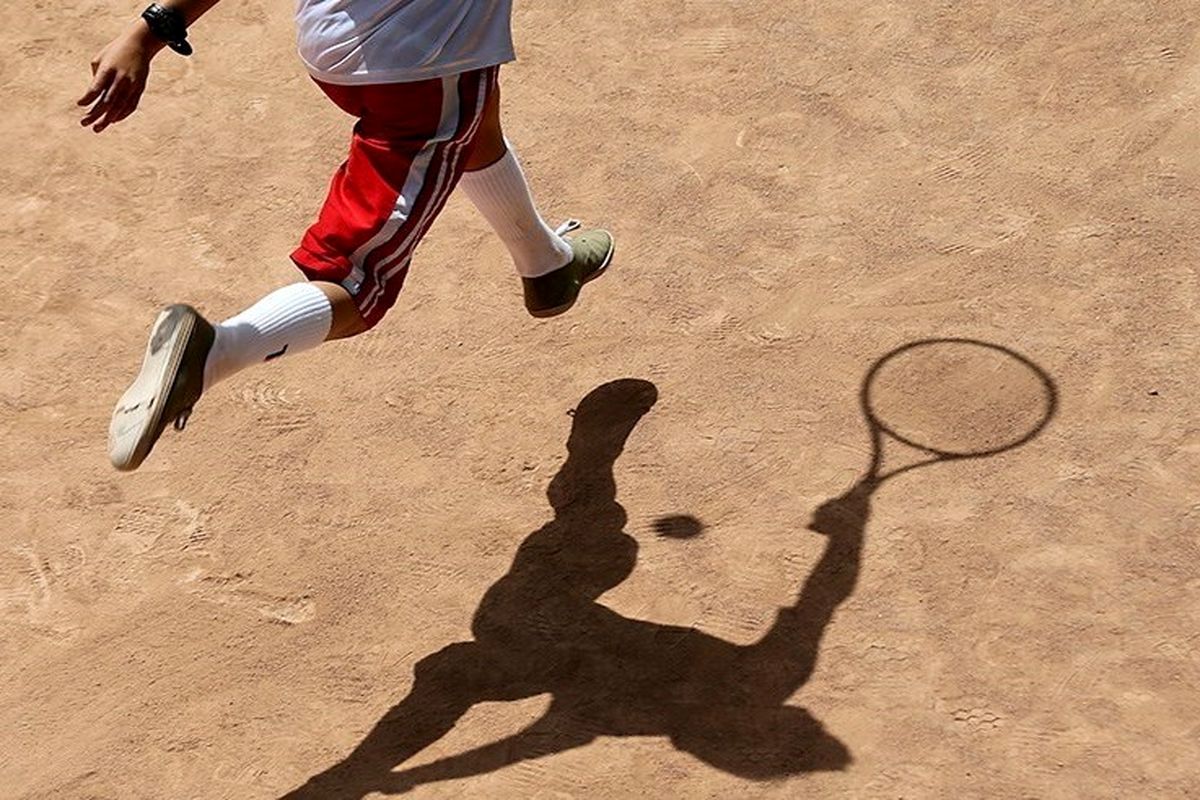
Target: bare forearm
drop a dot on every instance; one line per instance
(191, 10)
(138, 32)
(120, 69)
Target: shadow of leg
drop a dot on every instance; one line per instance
(446, 685)
(553, 733)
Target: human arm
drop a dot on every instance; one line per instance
(121, 68)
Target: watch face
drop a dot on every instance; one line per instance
(169, 26)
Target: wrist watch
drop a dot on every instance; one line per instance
(169, 26)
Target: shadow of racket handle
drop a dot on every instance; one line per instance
(845, 515)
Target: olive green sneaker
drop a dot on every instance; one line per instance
(553, 293)
(169, 384)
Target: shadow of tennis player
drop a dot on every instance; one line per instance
(540, 630)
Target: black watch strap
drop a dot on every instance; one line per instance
(169, 26)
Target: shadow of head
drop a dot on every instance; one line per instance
(761, 743)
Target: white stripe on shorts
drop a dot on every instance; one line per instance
(399, 260)
(413, 182)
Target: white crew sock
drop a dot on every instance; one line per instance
(290, 320)
(502, 196)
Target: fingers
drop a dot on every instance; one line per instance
(100, 81)
(102, 107)
(116, 102)
(130, 105)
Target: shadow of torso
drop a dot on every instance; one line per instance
(540, 629)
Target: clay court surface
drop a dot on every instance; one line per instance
(797, 188)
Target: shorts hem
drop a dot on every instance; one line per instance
(317, 267)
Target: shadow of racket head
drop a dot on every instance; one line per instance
(947, 399)
(957, 398)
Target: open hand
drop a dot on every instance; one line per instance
(119, 73)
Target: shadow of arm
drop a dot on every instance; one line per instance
(789, 649)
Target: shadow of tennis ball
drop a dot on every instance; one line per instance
(678, 526)
(959, 396)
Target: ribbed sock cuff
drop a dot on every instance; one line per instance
(289, 320)
(502, 195)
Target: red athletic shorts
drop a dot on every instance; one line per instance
(408, 151)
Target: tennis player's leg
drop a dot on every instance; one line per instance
(552, 266)
(408, 150)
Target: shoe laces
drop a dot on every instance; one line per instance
(567, 227)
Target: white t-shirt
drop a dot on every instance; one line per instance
(396, 41)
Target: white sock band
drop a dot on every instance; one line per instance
(288, 320)
(502, 196)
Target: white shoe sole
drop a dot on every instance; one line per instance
(138, 414)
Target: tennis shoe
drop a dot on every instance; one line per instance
(555, 292)
(165, 390)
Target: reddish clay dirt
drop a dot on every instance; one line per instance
(399, 563)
